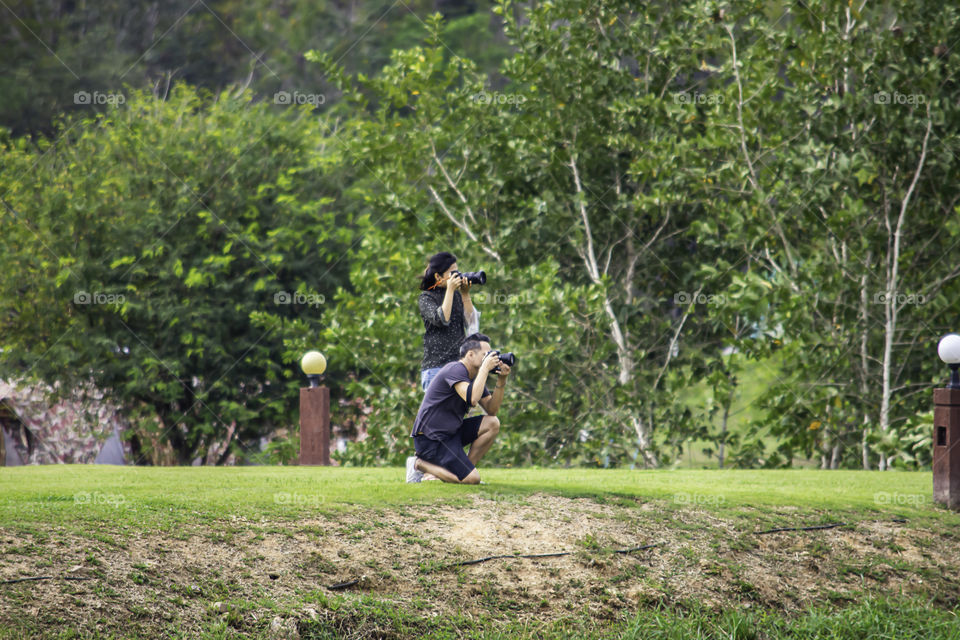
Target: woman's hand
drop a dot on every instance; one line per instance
(454, 282)
(464, 286)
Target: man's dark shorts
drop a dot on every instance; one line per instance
(449, 453)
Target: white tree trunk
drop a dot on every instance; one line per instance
(864, 367)
(643, 440)
(624, 352)
(893, 289)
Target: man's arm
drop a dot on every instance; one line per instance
(491, 404)
(476, 393)
(479, 383)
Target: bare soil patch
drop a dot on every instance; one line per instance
(251, 572)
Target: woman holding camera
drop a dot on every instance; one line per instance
(448, 314)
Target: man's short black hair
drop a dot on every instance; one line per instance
(472, 342)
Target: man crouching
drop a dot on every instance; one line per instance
(440, 432)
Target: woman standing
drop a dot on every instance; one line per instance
(448, 314)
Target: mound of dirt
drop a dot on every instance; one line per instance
(251, 573)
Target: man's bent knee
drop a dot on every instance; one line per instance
(491, 424)
(472, 478)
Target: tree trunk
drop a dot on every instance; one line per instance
(864, 447)
(624, 352)
(864, 367)
(892, 291)
(643, 441)
(723, 428)
(183, 451)
(723, 436)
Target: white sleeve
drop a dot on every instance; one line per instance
(473, 322)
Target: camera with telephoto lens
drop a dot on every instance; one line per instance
(508, 359)
(473, 277)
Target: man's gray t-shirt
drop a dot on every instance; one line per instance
(442, 410)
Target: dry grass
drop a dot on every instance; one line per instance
(263, 569)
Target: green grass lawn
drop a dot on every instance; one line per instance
(39, 491)
(252, 552)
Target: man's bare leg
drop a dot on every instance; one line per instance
(445, 475)
(486, 434)
(437, 470)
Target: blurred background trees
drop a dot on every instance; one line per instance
(715, 233)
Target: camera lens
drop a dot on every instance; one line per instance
(474, 277)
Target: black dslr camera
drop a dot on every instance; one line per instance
(508, 359)
(473, 277)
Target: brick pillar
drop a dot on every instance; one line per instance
(314, 425)
(946, 447)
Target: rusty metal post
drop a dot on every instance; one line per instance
(946, 447)
(315, 425)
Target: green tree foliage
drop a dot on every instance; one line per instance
(663, 194)
(556, 186)
(700, 177)
(839, 200)
(53, 51)
(136, 250)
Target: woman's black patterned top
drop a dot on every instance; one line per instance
(441, 340)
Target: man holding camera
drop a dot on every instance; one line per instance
(440, 431)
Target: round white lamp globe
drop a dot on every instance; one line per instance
(949, 348)
(313, 363)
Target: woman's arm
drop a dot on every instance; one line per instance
(430, 311)
(471, 315)
(453, 282)
(472, 323)
(467, 306)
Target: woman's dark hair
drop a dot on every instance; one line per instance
(438, 263)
